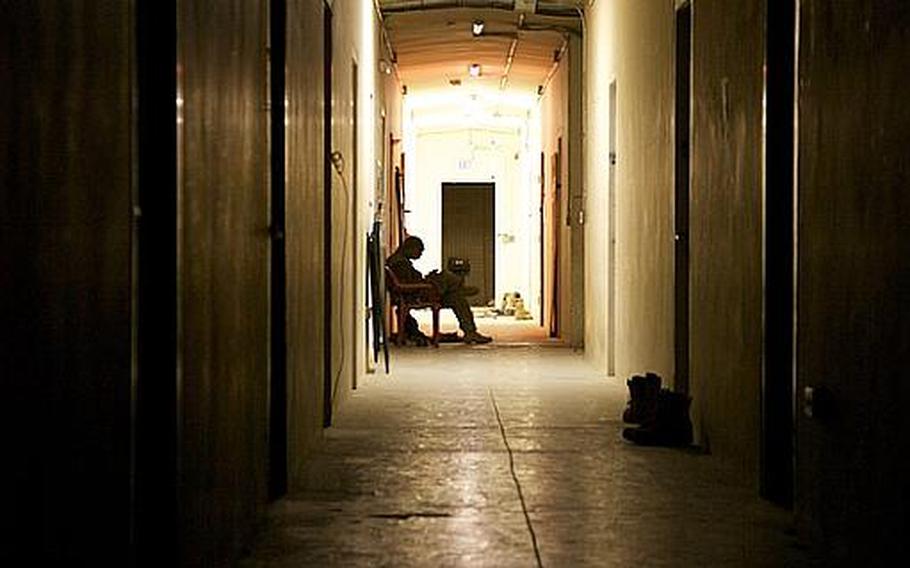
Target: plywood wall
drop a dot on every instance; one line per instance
(853, 277)
(65, 236)
(224, 260)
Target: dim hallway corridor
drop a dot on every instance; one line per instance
(489, 456)
(197, 198)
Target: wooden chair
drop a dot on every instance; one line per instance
(412, 296)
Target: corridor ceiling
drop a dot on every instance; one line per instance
(434, 46)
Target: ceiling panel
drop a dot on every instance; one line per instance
(434, 47)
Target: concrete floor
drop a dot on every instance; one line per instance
(503, 329)
(510, 456)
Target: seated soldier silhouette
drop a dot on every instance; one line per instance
(451, 287)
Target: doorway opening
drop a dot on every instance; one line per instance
(278, 413)
(778, 372)
(555, 244)
(476, 194)
(156, 273)
(327, 217)
(681, 212)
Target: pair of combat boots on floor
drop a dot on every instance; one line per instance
(661, 414)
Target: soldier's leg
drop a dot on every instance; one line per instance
(459, 305)
(446, 281)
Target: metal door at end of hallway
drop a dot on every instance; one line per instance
(467, 232)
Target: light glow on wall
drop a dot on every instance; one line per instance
(485, 136)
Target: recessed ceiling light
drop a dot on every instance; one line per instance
(474, 70)
(477, 27)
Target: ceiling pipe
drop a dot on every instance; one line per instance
(513, 47)
(504, 80)
(557, 58)
(565, 9)
(386, 42)
(424, 5)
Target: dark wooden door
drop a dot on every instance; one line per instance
(467, 232)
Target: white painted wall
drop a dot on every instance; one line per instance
(356, 37)
(616, 30)
(600, 71)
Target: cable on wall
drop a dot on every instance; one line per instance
(337, 159)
